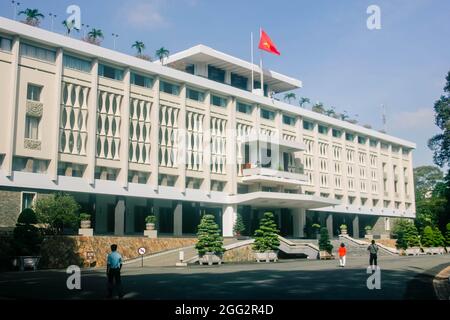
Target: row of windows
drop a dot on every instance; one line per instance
(5, 44)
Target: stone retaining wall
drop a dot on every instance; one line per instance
(241, 254)
(62, 251)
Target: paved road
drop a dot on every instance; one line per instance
(401, 278)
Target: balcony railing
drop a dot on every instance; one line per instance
(293, 173)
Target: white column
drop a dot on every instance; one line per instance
(231, 147)
(229, 216)
(119, 217)
(53, 168)
(355, 226)
(8, 161)
(178, 220)
(206, 185)
(92, 124)
(299, 219)
(154, 136)
(125, 130)
(182, 142)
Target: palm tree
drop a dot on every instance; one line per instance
(318, 107)
(139, 46)
(94, 36)
(161, 54)
(289, 97)
(330, 112)
(33, 16)
(344, 116)
(69, 26)
(303, 101)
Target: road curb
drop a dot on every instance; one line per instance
(441, 284)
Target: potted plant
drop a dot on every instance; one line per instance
(239, 227)
(85, 221)
(210, 243)
(266, 239)
(325, 245)
(368, 234)
(27, 240)
(316, 228)
(343, 228)
(150, 222)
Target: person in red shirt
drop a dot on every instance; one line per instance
(342, 255)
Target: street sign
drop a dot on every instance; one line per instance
(141, 251)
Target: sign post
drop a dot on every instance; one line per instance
(141, 252)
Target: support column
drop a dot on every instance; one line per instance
(329, 224)
(53, 168)
(299, 219)
(355, 226)
(178, 220)
(229, 216)
(119, 217)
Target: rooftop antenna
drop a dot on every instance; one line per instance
(383, 107)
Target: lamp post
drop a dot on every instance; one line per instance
(52, 16)
(15, 6)
(115, 36)
(84, 29)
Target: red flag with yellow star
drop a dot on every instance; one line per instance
(266, 44)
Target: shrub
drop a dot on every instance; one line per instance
(447, 235)
(438, 238)
(316, 226)
(59, 211)
(209, 238)
(406, 234)
(266, 237)
(26, 237)
(427, 239)
(150, 219)
(368, 228)
(324, 241)
(343, 226)
(239, 226)
(85, 217)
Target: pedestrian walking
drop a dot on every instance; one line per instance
(114, 265)
(373, 251)
(342, 255)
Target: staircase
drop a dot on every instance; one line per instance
(356, 247)
(309, 249)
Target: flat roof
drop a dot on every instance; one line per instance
(204, 54)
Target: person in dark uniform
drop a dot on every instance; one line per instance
(114, 265)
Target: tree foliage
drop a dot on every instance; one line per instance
(406, 234)
(427, 239)
(266, 237)
(58, 211)
(239, 226)
(209, 238)
(27, 237)
(447, 235)
(324, 241)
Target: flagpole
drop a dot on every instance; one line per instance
(253, 76)
(261, 64)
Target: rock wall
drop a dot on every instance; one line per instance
(241, 254)
(63, 251)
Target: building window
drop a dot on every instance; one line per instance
(349, 136)
(218, 101)
(238, 81)
(169, 88)
(373, 143)
(195, 95)
(384, 146)
(386, 203)
(351, 200)
(190, 68)
(361, 140)
(267, 114)
(5, 44)
(308, 125)
(322, 129)
(216, 74)
(76, 64)
(34, 92)
(28, 199)
(37, 53)
(337, 133)
(141, 81)
(396, 149)
(31, 128)
(375, 202)
(405, 152)
(110, 72)
(244, 108)
(290, 121)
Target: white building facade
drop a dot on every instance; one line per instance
(128, 138)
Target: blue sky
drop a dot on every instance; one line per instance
(326, 44)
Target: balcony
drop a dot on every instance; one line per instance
(294, 177)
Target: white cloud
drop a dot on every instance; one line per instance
(146, 14)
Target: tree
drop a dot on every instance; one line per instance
(209, 238)
(239, 226)
(33, 16)
(162, 53)
(27, 238)
(440, 143)
(447, 235)
(438, 238)
(95, 36)
(406, 234)
(289, 97)
(427, 239)
(69, 26)
(318, 107)
(344, 116)
(429, 212)
(324, 241)
(303, 101)
(59, 211)
(425, 180)
(266, 237)
(139, 46)
(330, 112)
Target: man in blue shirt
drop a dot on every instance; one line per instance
(114, 264)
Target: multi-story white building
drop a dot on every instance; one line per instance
(128, 137)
